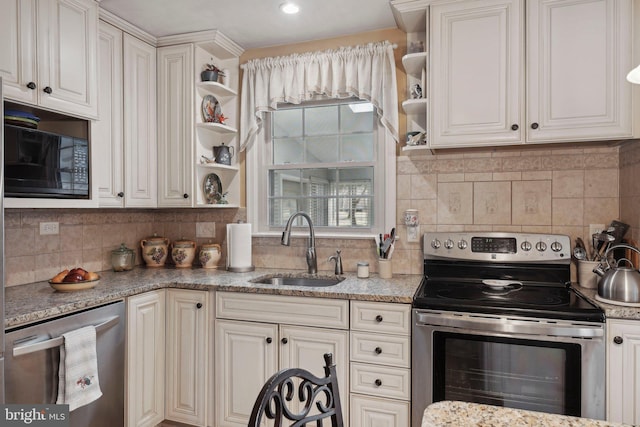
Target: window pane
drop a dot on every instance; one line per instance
(288, 150)
(357, 148)
(321, 120)
(351, 121)
(281, 210)
(287, 123)
(355, 198)
(284, 183)
(322, 149)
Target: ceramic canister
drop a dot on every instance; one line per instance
(210, 254)
(183, 252)
(155, 250)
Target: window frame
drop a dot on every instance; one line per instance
(258, 163)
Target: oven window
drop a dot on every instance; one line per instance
(514, 373)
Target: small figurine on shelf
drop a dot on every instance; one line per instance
(416, 91)
(211, 73)
(223, 199)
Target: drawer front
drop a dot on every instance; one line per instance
(381, 381)
(393, 350)
(381, 317)
(292, 310)
(369, 411)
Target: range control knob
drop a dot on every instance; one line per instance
(435, 243)
(556, 246)
(448, 243)
(541, 246)
(526, 246)
(462, 244)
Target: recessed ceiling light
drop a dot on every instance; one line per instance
(289, 8)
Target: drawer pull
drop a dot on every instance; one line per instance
(379, 318)
(284, 340)
(269, 340)
(378, 382)
(378, 350)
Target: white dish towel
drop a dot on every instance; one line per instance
(78, 383)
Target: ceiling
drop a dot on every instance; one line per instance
(255, 23)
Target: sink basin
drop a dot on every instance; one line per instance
(298, 281)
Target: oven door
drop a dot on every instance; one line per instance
(525, 363)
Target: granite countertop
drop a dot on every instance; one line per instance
(610, 311)
(449, 413)
(38, 301)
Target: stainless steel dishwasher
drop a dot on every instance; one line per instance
(32, 358)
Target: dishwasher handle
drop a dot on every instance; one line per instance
(23, 349)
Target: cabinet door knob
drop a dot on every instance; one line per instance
(515, 127)
(618, 340)
(378, 350)
(379, 318)
(534, 126)
(269, 340)
(378, 382)
(185, 195)
(284, 340)
(199, 305)
(48, 90)
(31, 85)
(121, 194)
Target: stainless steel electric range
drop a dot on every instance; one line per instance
(496, 321)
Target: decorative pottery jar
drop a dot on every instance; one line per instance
(210, 254)
(155, 250)
(123, 258)
(183, 252)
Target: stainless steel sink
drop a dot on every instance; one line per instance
(299, 281)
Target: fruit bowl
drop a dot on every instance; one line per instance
(74, 286)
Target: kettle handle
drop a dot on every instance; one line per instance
(619, 246)
(625, 259)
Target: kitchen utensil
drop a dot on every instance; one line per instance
(604, 240)
(183, 252)
(223, 154)
(619, 229)
(155, 250)
(617, 283)
(123, 258)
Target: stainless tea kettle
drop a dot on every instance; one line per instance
(222, 154)
(618, 284)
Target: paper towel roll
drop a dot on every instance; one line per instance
(239, 247)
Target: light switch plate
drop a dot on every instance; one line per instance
(49, 228)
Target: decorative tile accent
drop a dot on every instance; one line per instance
(531, 202)
(455, 203)
(492, 202)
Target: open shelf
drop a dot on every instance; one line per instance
(415, 147)
(415, 106)
(217, 89)
(414, 63)
(218, 166)
(217, 128)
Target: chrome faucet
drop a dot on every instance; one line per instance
(312, 260)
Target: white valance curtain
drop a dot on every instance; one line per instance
(367, 72)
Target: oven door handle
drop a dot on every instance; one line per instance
(511, 326)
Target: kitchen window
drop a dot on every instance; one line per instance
(330, 159)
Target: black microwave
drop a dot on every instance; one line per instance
(44, 164)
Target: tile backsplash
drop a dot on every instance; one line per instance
(559, 189)
(87, 236)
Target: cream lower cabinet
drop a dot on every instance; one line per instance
(256, 335)
(623, 371)
(145, 364)
(380, 349)
(186, 397)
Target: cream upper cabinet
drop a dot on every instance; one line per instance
(186, 357)
(145, 371)
(623, 371)
(572, 87)
(476, 76)
(49, 57)
(107, 135)
(176, 79)
(578, 54)
(140, 141)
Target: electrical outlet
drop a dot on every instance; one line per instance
(595, 229)
(49, 228)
